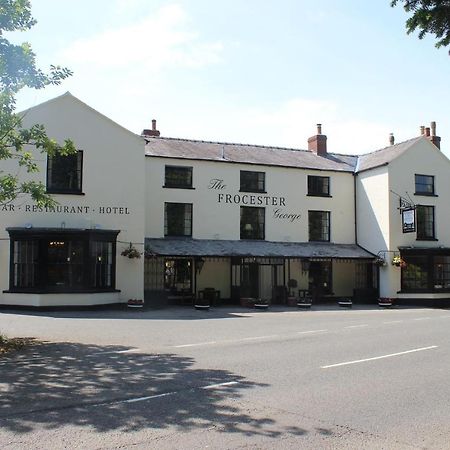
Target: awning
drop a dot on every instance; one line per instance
(247, 248)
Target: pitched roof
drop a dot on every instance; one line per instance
(272, 156)
(253, 248)
(385, 155)
(247, 154)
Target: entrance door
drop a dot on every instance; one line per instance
(266, 281)
(250, 281)
(320, 278)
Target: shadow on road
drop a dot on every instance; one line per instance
(98, 388)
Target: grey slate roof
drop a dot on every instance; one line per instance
(243, 248)
(385, 155)
(249, 154)
(272, 156)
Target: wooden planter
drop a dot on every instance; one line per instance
(304, 303)
(385, 302)
(345, 303)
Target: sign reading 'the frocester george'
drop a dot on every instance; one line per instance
(253, 200)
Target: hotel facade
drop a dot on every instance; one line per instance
(172, 220)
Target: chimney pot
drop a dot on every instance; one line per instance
(153, 131)
(433, 128)
(319, 128)
(422, 130)
(391, 139)
(427, 131)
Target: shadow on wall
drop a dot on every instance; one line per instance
(55, 385)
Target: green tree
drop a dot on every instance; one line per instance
(429, 17)
(18, 70)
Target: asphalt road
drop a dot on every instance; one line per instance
(229, 378)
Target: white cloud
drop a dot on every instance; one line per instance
(157, 41)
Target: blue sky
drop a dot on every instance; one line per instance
(262, 72)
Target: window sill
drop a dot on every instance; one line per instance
(317, 240)
(427, 239)
(180, 236)
(59, 291)
(424, 291)
(253, 192)
(178, 187)
(252, 239)
(64, 192)
(426, 194)
(319, 195)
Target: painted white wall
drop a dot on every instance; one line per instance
(343, 278)
(113, 176)
(220, 220)
(216, 274)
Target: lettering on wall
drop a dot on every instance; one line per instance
(282, 215)
(217, 184)
(66, 209)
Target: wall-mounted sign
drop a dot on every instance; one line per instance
(409, 220)
(66, 209)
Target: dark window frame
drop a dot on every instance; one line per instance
(431, 258)
(247, 184)
(325, 237)
(167, 227)
(41, 240)
(314, 188)
(425, 192)
(258, 231)
(51, 161)
(174, 185)
(421, 227)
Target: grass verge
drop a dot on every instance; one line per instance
(12, 344)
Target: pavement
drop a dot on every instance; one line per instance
(227, 378)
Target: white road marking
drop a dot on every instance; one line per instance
(358, 326)
(393, 321)
(167, 394)
(195, 345)
(311, 331)
(379, 357)
(227, 341)
(214, 386)
(422, 318)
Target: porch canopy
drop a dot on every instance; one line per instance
(249, 248)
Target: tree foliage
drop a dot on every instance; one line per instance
(429, 17)
(18, 70)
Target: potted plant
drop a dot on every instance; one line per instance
(292, 300)
(135, 303)
(397, 261)
(131, 252)
(261, 303)
(202, 302)
(385, 302)
(380, 262)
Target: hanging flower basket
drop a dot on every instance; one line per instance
(131, 252)
(380, 262)
(398, 261)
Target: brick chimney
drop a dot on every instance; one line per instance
(436, 140)
(318, 143)
(153, 131)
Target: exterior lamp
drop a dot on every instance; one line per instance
(199, 264)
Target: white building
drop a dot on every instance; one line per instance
(229, 221)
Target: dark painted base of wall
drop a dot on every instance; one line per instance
(430, 302)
